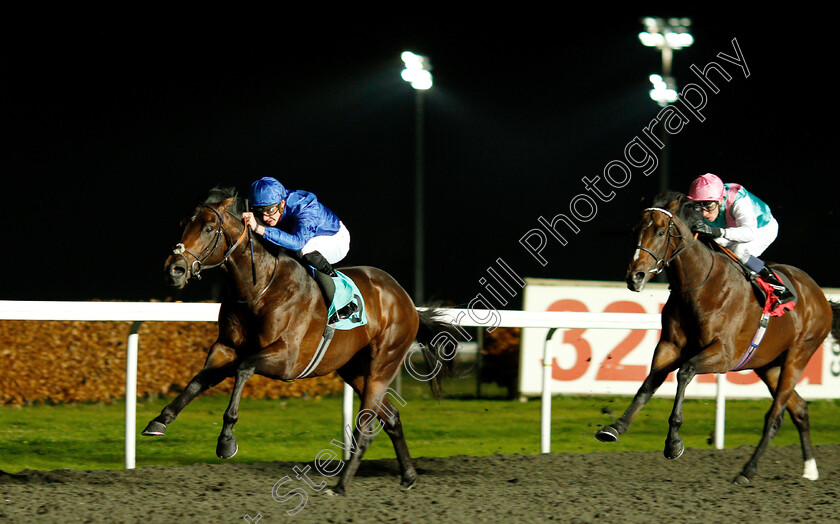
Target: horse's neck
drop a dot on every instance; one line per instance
(272, 269)
(695, 268)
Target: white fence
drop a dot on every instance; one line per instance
(138, 312)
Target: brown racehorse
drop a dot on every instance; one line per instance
(273, 328)
(709, 321)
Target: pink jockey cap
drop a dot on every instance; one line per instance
(706, 187)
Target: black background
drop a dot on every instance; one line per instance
(113, 130)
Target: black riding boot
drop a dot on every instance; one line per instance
(323, 276)
(780, 290)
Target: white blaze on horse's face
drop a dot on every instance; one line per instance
(651, 247)
(641, 230)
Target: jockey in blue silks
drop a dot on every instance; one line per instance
(739, 221)
(297, 221)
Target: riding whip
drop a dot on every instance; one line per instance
(251, 245)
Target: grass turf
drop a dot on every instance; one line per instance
(91, 436)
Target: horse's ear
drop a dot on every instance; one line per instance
(674, 206)
(226, 203)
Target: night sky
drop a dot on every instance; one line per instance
(111, 132)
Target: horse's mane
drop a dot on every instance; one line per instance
(687, 210)
(220, 194)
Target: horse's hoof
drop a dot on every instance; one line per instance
(227, 449)
(407, 484)
(607, 434)
(154, 429)
(810, 471)
(336, 491)
(674, 451)
(741, 480)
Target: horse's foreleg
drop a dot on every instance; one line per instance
(226, 446)
(216, 368)
(204, 380)
(664, 361)
(611, 432)
(673, 443)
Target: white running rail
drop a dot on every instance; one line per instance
(138, 312)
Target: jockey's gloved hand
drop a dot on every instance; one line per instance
(705, 229)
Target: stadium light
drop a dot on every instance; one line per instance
(417, 71)
(672, 33)
(664, 90)
(667, 35)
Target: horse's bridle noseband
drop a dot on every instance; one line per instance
(197, 264)
(664, 260)
(661, 263)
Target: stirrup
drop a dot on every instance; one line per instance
(343, 313)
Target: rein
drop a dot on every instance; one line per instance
(197, 265)
(270, 281)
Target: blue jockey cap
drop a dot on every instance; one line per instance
(267, 191)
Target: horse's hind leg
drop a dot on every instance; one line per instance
(781, 396)
(361, 440)
(798, 409)
(390, 416)
(376, 412)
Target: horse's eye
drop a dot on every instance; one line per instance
(208, 228)
(660, 233)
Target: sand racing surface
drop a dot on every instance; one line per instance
(606, 487)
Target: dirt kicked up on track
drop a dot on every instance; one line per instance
(605, 487)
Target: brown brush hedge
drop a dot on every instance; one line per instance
(64, 361)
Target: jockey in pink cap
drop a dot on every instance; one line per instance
(739, 221)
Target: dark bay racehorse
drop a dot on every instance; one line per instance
(709, 321)
(273, 328)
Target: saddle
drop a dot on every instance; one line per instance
(765, 293)
(763, 290)
(346, 292)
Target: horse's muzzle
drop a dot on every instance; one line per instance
(176, 272)
(636, 280)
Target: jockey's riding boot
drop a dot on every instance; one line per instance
(317, 260)
(780, 290)
(323, 276)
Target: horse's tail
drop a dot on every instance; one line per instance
(437, 338)
(835, 320)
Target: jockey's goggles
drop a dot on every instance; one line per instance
(267, 210)
(707, 206)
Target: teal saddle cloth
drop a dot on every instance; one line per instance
(346, 291)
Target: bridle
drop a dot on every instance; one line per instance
(197, 264)
(664, 260)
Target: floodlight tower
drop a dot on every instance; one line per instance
(668, 35)
(417, 72)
